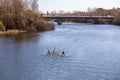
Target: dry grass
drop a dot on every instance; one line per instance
(13, 31)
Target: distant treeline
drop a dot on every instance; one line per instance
(22, 15)
(88, 12)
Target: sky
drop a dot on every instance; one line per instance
(79, 5)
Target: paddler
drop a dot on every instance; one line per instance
(48, 52)
(59, 52)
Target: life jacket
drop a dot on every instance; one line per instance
(59, 52)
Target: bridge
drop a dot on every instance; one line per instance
(93, 18)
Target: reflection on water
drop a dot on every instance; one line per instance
(23, 37)
(93, 54)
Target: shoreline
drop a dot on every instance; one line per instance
(12, 31)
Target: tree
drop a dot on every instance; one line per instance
(34, 5)
(2, 27)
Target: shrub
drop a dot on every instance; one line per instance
(8, 21)
(37, 14)
(2, 27)
(44, 26)
(117, 20)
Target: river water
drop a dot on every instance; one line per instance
(94, 54)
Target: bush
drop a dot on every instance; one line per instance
(116, 20)
(8, 21)
(30, 21)
(2, 27)
(44, 26)
(37, 14)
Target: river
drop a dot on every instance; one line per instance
(94, 54)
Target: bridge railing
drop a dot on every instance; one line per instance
(78, 16)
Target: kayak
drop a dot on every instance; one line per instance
(59, 54)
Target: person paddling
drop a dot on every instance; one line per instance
(48, 52)
(54, 51)
(59, 52)
(63, 53)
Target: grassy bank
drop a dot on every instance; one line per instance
(15, 31)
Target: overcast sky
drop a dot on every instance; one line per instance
(71, 5)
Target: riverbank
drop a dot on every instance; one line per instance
(40, 26)
(13, 31)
